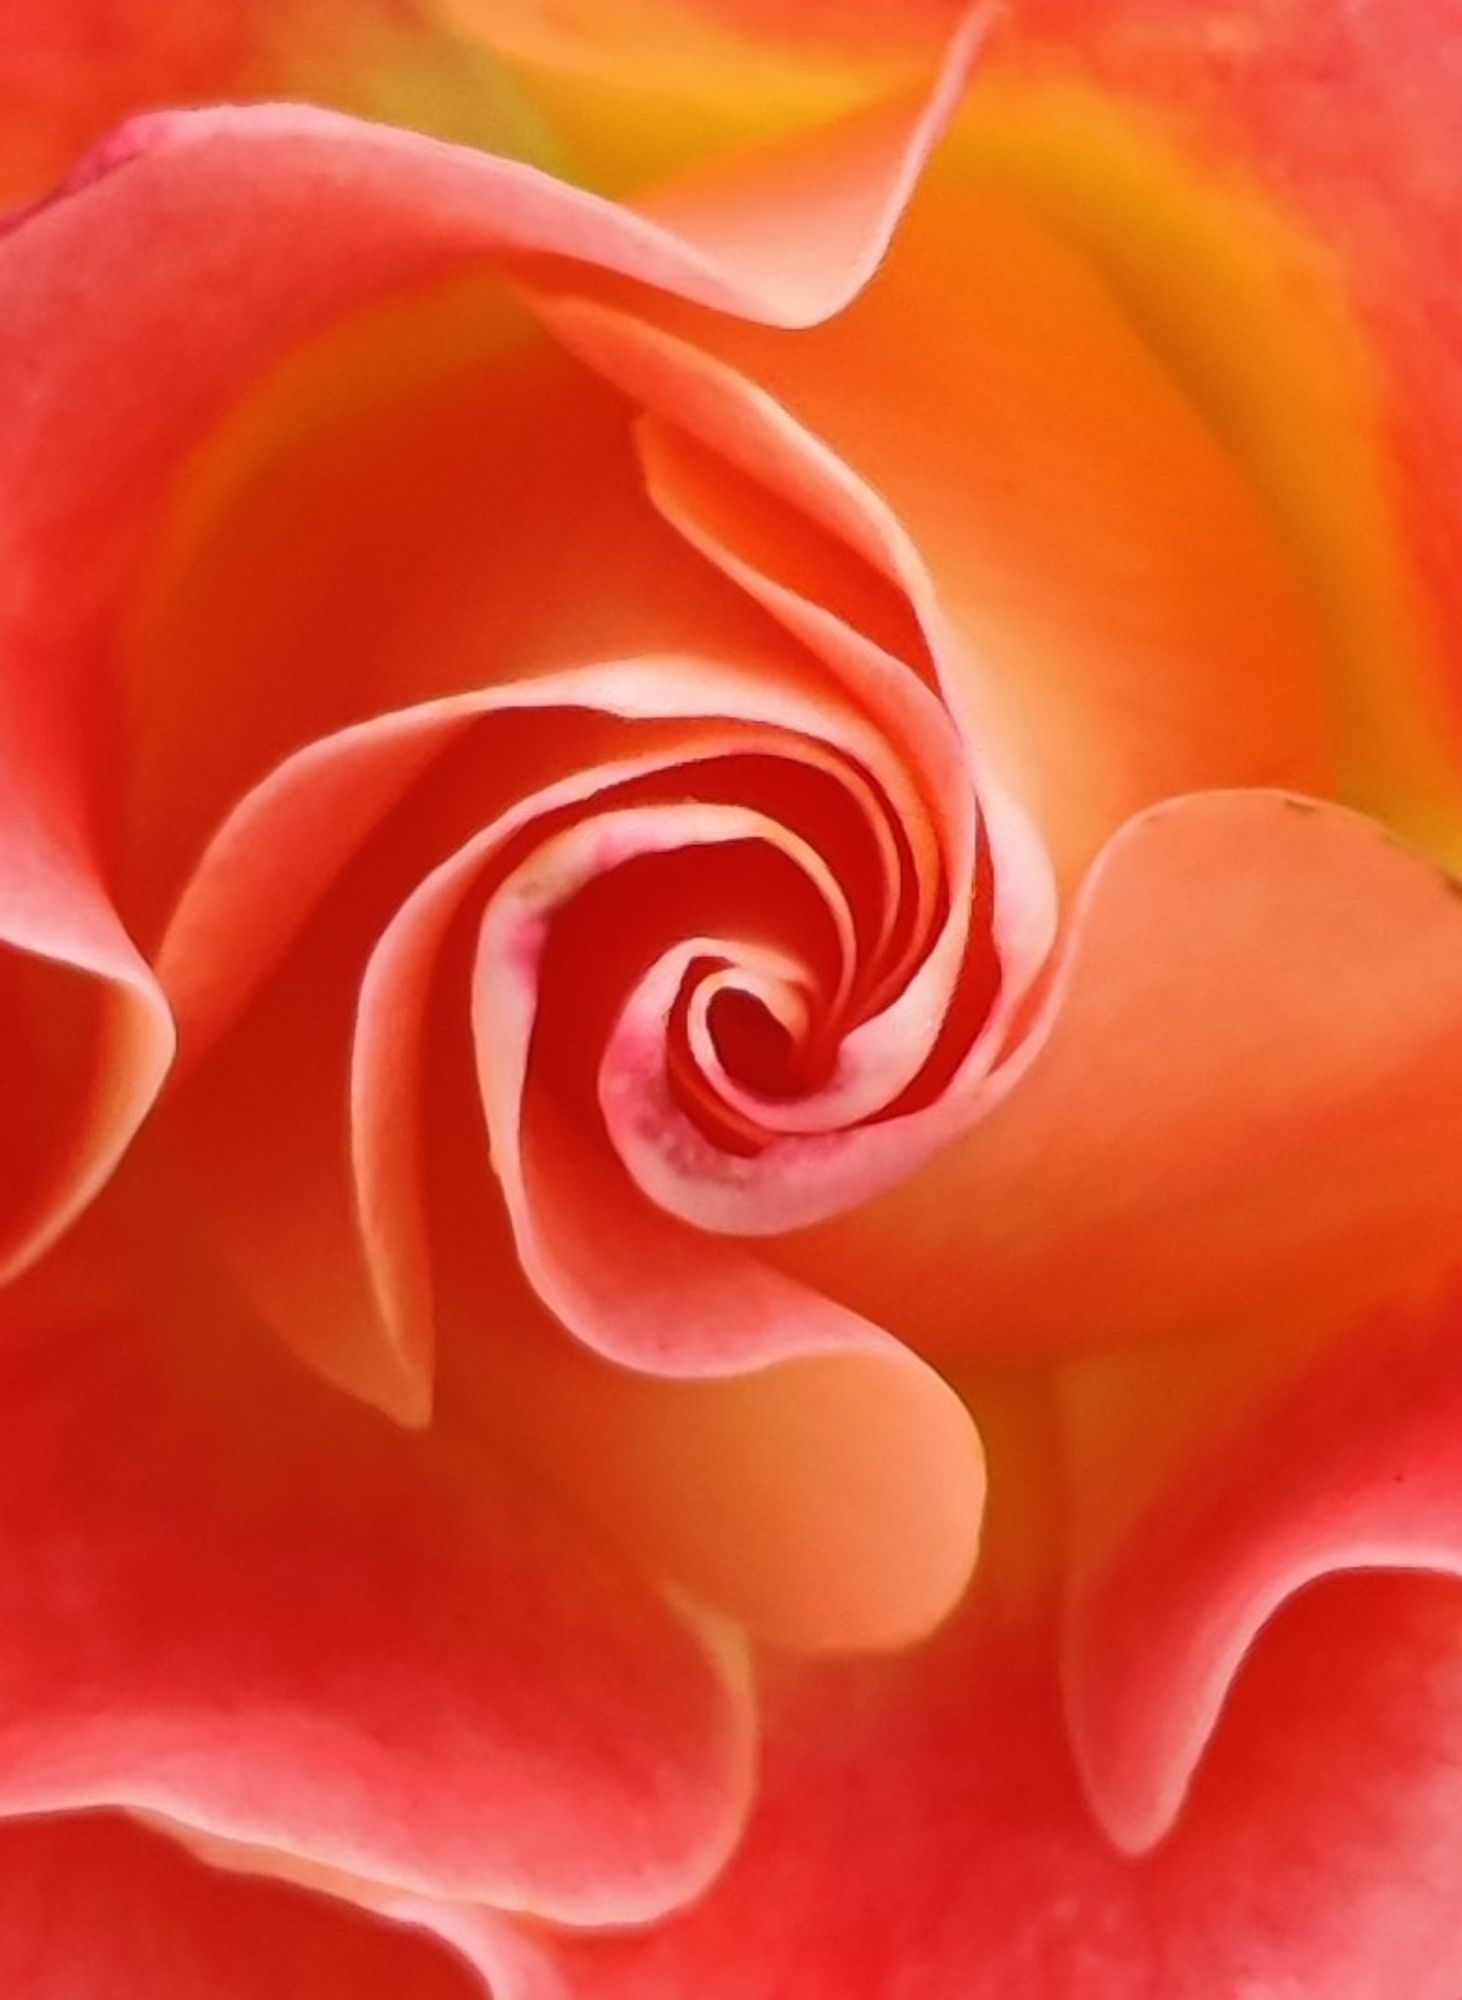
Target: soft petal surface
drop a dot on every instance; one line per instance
(1121, 623)
(1273, 191)
(233, 1598)
(257, 207)
(1209, 1483)
(92, 1905)
(71, 70)
(639, 89)
(921, 1833)
(1241, 1113)
(75, 995)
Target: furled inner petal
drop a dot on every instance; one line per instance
(1121, 620)
(1239, 1110)
(252, 206)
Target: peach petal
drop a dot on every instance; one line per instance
(240, 908)
(829, 1502)
(1039, 495)
(352, 214)
(622, 1322)
(342, 1271)
(387, 1059)
(391, 1017)
(255, 1611)
(866, 1554)
(748, 433)
(322, 1222)
(1238, 1110)
(761, 1355)
(1353, 154)
(414, 484)
(579, 35)
(72, 70)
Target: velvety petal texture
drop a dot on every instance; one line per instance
(92, 1904)
(1318, 1851)
(1282, 1159)
(70, 72)
(733, 1044)
(254, 1609)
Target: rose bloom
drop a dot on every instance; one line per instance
(732, 999)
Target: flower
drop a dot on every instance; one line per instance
(733, 982)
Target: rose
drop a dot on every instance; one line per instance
(399, 826)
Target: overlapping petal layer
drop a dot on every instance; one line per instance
(91, 1905)
(1119, 620)
(71, 71)
(1271, 1464)
(1318, 1851)
(1342, 117)
(235, 1599)
(393, 709)
(419, 815)
(1242, 1118)
(625, 845)
(352, 214)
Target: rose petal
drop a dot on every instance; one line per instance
(920, 1831)
(840, 573)
(1084, 528)
(234, 1599)
(71, 69)
(866, 1539)
(91, 1904)
(1354, 151)
(1209, 1484)
(75, 996)
(1241, 1111)
(346, 213)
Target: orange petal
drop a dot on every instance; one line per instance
(1125, 623)
(1241, 1109)
(71, 69)
(1358, 449)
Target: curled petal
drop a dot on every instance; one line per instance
(1033, 476)
(1240, 1111)
(1266, 1468)
(1318, 1852)
(254, 1610)
(86, 1026)
(1355, 440)
(91, 1903)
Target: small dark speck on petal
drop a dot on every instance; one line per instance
(1452, 883)
(1294, 805)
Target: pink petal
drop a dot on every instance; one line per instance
(86, 1027)
(1211, 1483)
(92, 1905)
(232, 1598)
(921, 1831)
(297, 218)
